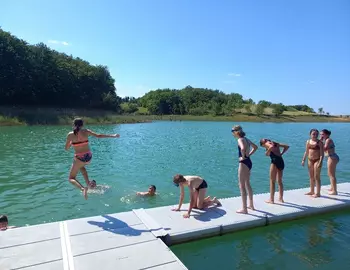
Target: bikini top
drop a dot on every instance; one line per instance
(331, 145)
(314, 146)
(80, 143)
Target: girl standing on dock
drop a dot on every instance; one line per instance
(78, 138)
(333, 159)
(314, 153)
(244, 167)
(276, 167)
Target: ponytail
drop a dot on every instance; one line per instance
(77, 124)
(76, 130)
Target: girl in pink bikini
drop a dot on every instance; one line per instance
(78, 138)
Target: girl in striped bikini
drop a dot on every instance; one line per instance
(78, 138)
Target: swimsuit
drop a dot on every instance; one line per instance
(334, 155)
(247, 161)
(83, 157)
(314, 147)
(202, 185)
(277, 161)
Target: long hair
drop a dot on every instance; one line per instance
(77, 124)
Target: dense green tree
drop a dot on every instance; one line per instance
(35, 75)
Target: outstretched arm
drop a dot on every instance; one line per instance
(182, 195)
(91, 133)
(284, 146)
(192, 198)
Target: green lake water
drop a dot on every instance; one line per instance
(34, 189)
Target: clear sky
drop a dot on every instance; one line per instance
(289, 51)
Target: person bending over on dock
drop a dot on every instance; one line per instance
(151, 191)
(276, 167)
(244, 167)
(78, 139)
(333, 159)
(4, 223)
(314, 153)
(198, 188)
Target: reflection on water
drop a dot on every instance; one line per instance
(317, 243)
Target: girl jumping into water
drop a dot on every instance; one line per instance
(314, 153)
(332, 161)
(244, 167)
(276, 167)
(78, 138)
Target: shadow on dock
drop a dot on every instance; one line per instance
(117, 226)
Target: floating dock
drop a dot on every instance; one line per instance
(138, 239)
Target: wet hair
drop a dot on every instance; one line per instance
(314, 129)
(239, 131)
(77, 124)
(327, 132)
(178, 178)
(154, 187)
(3, 218)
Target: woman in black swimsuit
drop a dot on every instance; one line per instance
(78, 139)
(244, 167)
(276, 167)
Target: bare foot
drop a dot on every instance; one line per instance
(215, 200)
(242, 211)
(316, 195)
(85, 190)
(251, 207)
(333, 193)
(270, 201)
(281, 200)
(310, 193)
(330, 189)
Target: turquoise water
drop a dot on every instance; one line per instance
(34, 167)
(316, 243)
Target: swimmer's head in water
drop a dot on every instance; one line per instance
(92, 184)
(78, 123)
(178, 178)
(152, 189)
(3, 222)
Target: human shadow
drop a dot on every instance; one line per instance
(343, 194)
(294, 205)
(335, 199)
(118, 226)
(209, 214)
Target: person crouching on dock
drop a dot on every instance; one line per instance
(198, 188)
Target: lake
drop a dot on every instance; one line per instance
(34, 187)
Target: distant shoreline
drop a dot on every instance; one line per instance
(51, 116)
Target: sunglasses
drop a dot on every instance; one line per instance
(176, 185)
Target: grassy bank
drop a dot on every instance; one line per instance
(49, 116)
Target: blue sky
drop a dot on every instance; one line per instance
(294, 52)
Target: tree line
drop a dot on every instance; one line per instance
(37, 76)
(202, 101)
